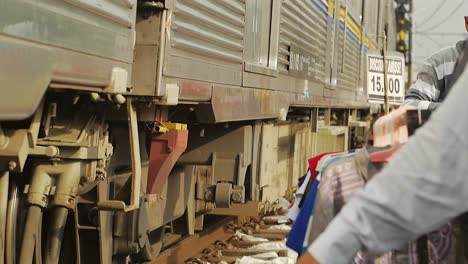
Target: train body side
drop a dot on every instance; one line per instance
(81, 44)
(227, 54)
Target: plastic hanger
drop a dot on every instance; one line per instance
(391, 128)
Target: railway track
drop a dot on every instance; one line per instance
(235, 240)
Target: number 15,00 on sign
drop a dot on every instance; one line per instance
(395, 79)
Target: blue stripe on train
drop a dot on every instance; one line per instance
(350, 33)
(321, 6)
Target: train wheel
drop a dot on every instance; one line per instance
(152, 248)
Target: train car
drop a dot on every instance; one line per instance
(119, 118)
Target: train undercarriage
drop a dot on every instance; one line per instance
(99, 181)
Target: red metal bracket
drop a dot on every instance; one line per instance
(165, 150)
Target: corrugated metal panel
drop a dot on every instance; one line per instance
(104, 29)
(283, 55)
(371, 17)
(349, 71)
(117, 11)
(355, 8)
(303, 23)
(213, 28)
(392, 30)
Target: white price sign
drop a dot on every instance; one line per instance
(395, 78)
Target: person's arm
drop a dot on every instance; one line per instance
(433, 77)
(424, 92)
(421, 101)
(424, 186)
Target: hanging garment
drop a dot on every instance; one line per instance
(304, 188)
(301, 180)
(339, 181)
(293, 211)
(298, 231)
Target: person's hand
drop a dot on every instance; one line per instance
(307, 258)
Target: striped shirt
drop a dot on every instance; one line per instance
(339, 182)
(432, 82)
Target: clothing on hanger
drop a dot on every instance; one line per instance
(391, 128)
(339, 181)
(298, 231)
(293, 211)
(301, 180)
(306, 185)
